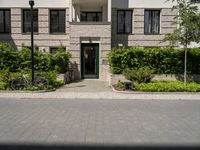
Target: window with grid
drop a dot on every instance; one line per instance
(91, 16)
(27, 21)
(124, 21)
(57, 21)
(5, 23)
(152, 22)
(195, 1)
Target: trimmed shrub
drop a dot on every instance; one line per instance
(167, 86)
(161, 60)
(140, 75)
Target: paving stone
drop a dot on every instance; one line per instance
(99, 121)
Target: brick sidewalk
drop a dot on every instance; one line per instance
(103, 122)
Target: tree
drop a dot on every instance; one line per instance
(188, 21)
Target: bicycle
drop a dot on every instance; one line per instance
(69, 76)
(22, 81)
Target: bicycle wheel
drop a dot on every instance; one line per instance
(18, 83)
(67, 77)
(41, 82)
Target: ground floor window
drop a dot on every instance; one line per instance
(54, 50)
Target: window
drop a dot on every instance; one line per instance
(27, 21)
(124, 21)
(152, 22)
(91, 16)
(5, 25)
(195, 1)
(29, 47)
(53, 50)
(57, 21)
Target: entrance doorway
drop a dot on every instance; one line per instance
(89, 61)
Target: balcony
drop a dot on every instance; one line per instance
(90, 11)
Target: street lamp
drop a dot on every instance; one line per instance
(31, 3)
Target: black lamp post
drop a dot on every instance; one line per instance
(31, 3)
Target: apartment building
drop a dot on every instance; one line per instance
(87, 28)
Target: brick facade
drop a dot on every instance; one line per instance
(104, 33)
(43, 39)
(94, 33)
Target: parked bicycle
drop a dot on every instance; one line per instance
(69, 76)
(22, 81)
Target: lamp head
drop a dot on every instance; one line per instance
(31, 2)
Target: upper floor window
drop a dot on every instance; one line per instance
(57, 21)
(27, 21)
(152, 22)
(5, 25)
(91, 16)
(124, 21)
(195, 1)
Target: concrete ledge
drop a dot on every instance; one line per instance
(163, 77)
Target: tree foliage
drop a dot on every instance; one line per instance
(188, 21)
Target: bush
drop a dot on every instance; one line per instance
(140, 75)
(161, 60)
(167, 86)
(120, 85)
(6, 77)
(15, 61)
(51, 76)
(60, 61)
(3, 86)
(8, 57)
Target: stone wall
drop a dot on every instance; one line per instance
(91, 33)
(163, 77)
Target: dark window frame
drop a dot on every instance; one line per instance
(195, 1)
(50, 22)
(159, 28)
(124, 32)
(35, 23)
(5, 30)
(53, 50)
(91, 12)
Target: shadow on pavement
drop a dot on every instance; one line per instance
(90, 147)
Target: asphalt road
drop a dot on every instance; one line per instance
(99, 122)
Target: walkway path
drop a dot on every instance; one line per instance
(86, 86)
(94, 89)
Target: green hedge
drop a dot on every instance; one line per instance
(15, 60)
(162, 61)
(171, 86)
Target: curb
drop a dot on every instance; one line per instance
(41, 91)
